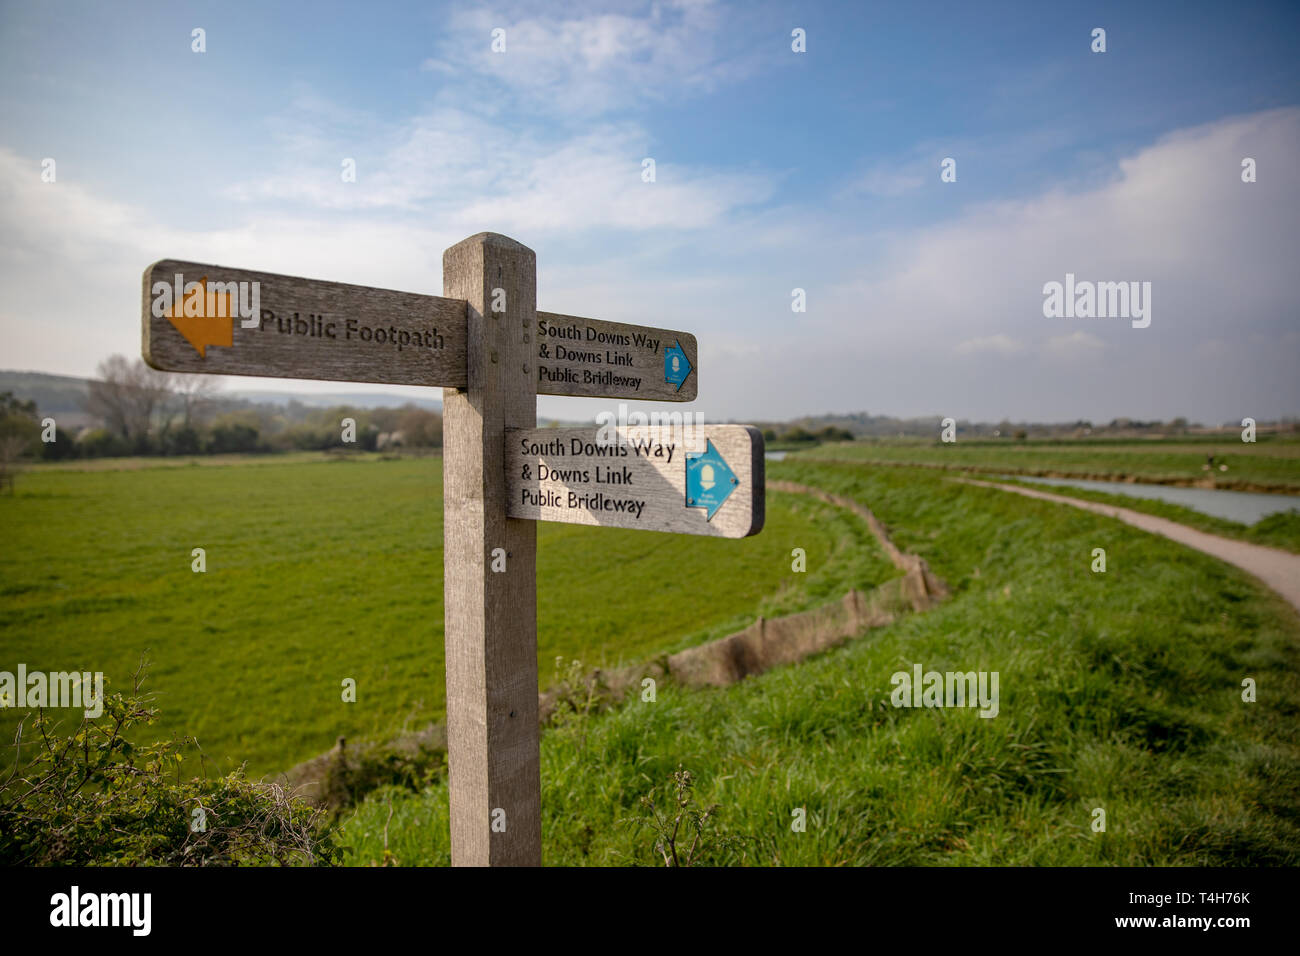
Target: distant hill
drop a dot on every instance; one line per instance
(863, 425)
(63, 396)
(331, 399)
(52, 393)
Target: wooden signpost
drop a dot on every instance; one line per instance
(485, 342)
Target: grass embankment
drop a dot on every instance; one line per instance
(1119, 691)
(1273, 462)
(319, 570)
(1280, 530)
(1270, 464)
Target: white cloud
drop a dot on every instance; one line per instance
(926, 325)
(886, 181)
(463, 169)
(596, 182)
(1075, 345)
(71, 263)
(578, 61)
(1219, 254)
(998, 344)
(1176, 214)
(1001, 153)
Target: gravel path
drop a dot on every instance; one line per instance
(1279, 569)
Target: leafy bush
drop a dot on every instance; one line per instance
(93, 798)
(186, 440)
(19, 424)
(829, 433)
(227, 439)
(357, 770)
(100, 443)
(64, 447)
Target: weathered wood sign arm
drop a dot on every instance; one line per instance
(216, 320)
(689, 479)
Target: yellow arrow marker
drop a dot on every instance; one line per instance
(202, 320)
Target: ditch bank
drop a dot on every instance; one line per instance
(1205, 482)
(341, 776)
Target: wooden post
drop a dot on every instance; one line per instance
(487, 346)
(491, 615)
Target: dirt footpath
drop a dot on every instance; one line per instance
(1279, 569)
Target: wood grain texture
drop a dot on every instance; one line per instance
(308, 328)
(491, 618)
(554, 474)
(599, 359)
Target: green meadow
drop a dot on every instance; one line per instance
(322, 569)
(1119, 692)
(1272, 461)
(1279, 530)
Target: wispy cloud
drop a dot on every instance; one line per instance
(926, 327)
(998, 344)
(585, 62)
(468, 170)
(1075, 345)
(885, 181)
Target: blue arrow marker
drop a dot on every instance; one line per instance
(676, 365)
(709, 480)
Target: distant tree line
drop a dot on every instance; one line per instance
(141, 411)
(864, 425)
(800, 434)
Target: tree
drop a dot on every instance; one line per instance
(127, 395)
(186, 440)
(385, 419)
(234, 438)
(420, 428)
(195, 394)
(832, 433)
(20, 433)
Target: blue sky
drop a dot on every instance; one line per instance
(775, 170)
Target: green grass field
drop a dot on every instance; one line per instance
(323, 569)
(1280, 530)
(1272, 462)
(1119, 691)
